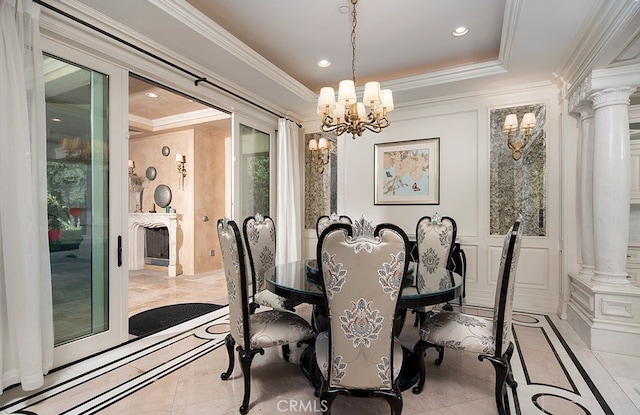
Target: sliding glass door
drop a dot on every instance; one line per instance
(77, 182)
(84, 227)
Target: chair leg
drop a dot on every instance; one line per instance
(229, 342)
(507, 357)
(419, 350)
(393, 398)
(502, 369)
(421, 316)
(326, 400)
(246, 357)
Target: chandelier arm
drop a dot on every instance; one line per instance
(373, 127)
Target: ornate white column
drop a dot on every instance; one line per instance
(611, 184)
(604, 309)
(585, 187)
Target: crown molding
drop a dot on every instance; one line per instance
(596, 37)
(512, 13)
(191, 17)
(57, 26)
(175, 121)
(187, 14)
(453, 74)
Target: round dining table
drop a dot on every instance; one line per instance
(300, 282)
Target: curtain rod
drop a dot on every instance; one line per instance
(198, 78)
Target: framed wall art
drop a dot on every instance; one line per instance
(407, 172)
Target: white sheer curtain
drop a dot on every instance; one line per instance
(289, 201)
(26, 315)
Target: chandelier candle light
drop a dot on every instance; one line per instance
(347, 115)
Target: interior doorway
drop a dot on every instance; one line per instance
(177, 172)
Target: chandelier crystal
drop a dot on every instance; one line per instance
(347, 115)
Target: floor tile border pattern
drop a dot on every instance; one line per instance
(126, 354)
(585, 395)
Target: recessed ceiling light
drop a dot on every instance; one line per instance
(323, 63)
(344, 9)
(151, 95)
(56, 120)
(460, 31)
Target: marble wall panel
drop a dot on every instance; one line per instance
(320, 189)
(518, 186)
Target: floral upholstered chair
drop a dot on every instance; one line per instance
(362, 270)
(490, 338)
(260, 241)
(252, 332)
(435, 237)
(325, 220)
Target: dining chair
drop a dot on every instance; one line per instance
(318, 318)
(490, 338)
(260, 241)
(253, 332)
(326, 220)
(362, 269)
(435, 238)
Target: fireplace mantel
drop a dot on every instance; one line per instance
(137, 223)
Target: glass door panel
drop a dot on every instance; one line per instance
(255, 172)
(78, 183)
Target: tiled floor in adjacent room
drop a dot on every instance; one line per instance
(178, 371)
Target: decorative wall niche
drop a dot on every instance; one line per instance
(320, 189)
(518, 186)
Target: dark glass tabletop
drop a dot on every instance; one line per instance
(300, 281)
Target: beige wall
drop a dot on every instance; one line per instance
(203, 193)
(209, 199)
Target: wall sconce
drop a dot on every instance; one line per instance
(320, 152)
(182, 171)
(132, 165)
(510, 126)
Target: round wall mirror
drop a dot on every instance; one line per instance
(151, 173)
(162, 195)
(165, 151)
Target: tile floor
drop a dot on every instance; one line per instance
(178, 371)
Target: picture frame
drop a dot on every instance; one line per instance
(407, 172)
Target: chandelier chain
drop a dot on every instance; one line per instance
(354, 22)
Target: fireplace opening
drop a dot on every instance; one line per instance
(156, 246)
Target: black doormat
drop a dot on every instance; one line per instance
(158, 319)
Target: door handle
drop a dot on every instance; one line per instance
(119, 250)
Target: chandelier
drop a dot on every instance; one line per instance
(347, 115)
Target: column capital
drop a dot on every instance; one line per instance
(627, 76)
(611, 96)
(583, 108)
